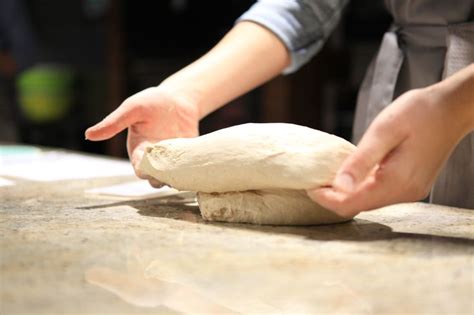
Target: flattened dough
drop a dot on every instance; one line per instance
(252, 173)
(276, 207)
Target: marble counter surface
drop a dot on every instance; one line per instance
(63, 252)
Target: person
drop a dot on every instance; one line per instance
(404, 149)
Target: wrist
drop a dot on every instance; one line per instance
(197, 88)
(455, 97)
(246, 57)
(183, 93)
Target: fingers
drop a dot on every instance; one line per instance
(370, 178)
(115, 122)
(136, 150)
(371, 194)
(342, 203)
(392, 183)
(385, 168)
(152, 181)
(375, 146)
(334, 200)
(136, 146)
(155, 183)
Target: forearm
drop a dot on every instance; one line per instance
(246, 57)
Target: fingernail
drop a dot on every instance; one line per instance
(85, 133)
(344, 182)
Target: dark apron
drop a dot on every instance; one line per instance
(428, 41)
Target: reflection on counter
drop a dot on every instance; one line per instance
(243, 284)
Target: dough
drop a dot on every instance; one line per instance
(248, 157)
(253, 173)
(276, 207)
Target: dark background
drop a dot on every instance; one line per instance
(117, 48)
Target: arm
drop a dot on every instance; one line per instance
(302, 25)
(273, 36)
(246, 57)
(405, 147)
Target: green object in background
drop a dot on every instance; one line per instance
(45, 93)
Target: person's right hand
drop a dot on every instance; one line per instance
(246, 57)
(151, 115)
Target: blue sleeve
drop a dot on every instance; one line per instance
(302, 25)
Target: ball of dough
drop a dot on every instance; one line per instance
(252, 173)
(248, 157)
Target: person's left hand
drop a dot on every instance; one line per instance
(399, 156)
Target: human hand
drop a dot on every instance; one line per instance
(151, 115)
(399, 156)
(246, 57)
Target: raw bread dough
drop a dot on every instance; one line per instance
(248, 157)
(254, 173)
(276, 207)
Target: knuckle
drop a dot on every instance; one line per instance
(356, 160)
(410, 93)
(391, 126)
(136, 106)
(364, 162)
(380, 127)
(140, 109)
(416, 95)
(358, 164)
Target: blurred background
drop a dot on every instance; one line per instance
(64, 65)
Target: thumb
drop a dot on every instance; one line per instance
(115, 122)
(373, 148)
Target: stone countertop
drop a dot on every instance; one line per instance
(63, 251)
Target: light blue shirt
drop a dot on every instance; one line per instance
(302, 25)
